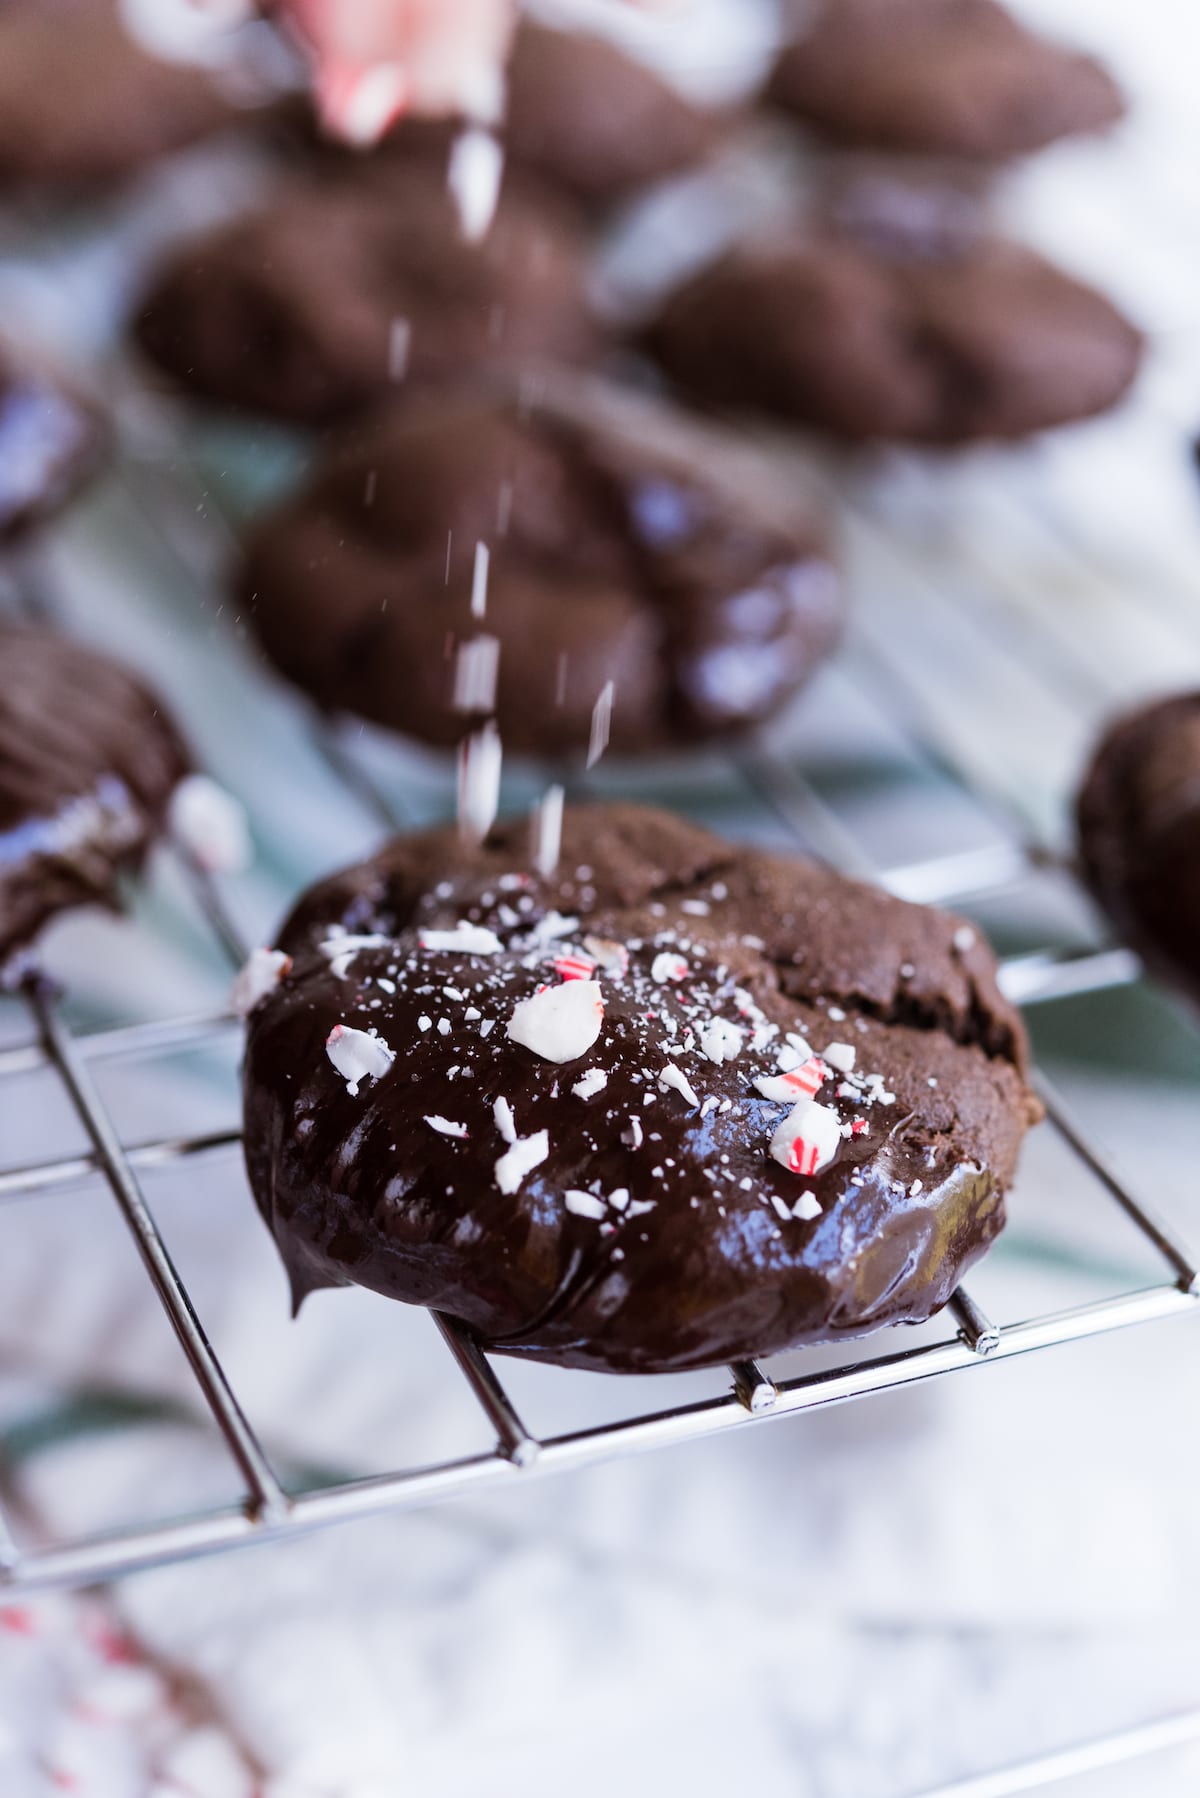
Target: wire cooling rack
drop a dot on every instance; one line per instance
(753, 1394)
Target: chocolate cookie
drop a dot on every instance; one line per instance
(1138, 815)
(611, 558)
(339, 289)
(986, 340)
(81, 103)
(88, 764)
(677, 1104)
(938, 77)
(50, 443)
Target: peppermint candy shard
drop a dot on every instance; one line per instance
(584, 1204)
(807, 1140)
(591, 1082)
(526, 1153)
(574, 967)
(464, 939)
(612, 957)
(673, 1076)
(807, 1206)
(446, 1126)
(798, 1083)
(339, 949)
(263, 971)
(560, 1023)
(841, 1056)
(721, 1041)
(357, 1054)
(668, 966)
(505, 1122)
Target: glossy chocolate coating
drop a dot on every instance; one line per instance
(611, 559)
(342, 290)
(50, 443)
(696, 1257)
(1138, 817)
(938, 77)
(88, 762)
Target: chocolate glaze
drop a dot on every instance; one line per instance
(293, 310)
(618, 559)
(930, 337)
(81, 103)
(1138, 815)
(696, 1265)
(88, 762)
(938, 77)
(50, 443)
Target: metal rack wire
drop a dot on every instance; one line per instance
(267, 1509)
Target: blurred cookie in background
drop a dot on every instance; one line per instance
(340, 289)
(480, 556)
(1138, 819)
(52, 441)
(957, 78)
(925, 329)
(84, 102)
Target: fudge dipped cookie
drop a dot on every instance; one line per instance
(82, 103)
(584, 117)
(51, 442)
(341, 289)
(89, 764)
(1138, 817)
(939, 341)
(485, 556)
(680, 1102)
(958, 78)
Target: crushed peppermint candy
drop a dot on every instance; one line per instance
(593, 1081)
(807, 1140)
(473, 176)
(668, 967)
(601, 724)
(584, 1204)
(547, 830)
(479, 762)
(446, 1126)
(964, 938)
(798, 1083)
(612, 957)
(574, 967)
(673, 1076)
(841, 1056)
(721, 1041)
(519, 1159)
(807, 1206)
(476, 669)
(559, 1023)
(340, 948)
(464, 939)
(357, 1055)
(260, 975)
(505, 1122)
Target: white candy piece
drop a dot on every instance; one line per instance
(673, 1076)
(807, 1206)
(476, 166)
(479, 762)
(807, 1140)
(464, 939)
(520, 1159)
(584, 1204)
(722, 1041)
(358, 1053)
(590, 1083)
(841, 1056)
(506, 1124)
(341, 950)
(446, 1126)
(668, 966)
(476, 668)
(210, 825)
(261, 974)
(561, 1022)
(612, 957)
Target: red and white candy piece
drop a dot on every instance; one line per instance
(799, 1083)
(574, 967)
(668, 966)
(612, 957)
(261, 974)
(357, 1054)
(559, 1023)
(807, 1140)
